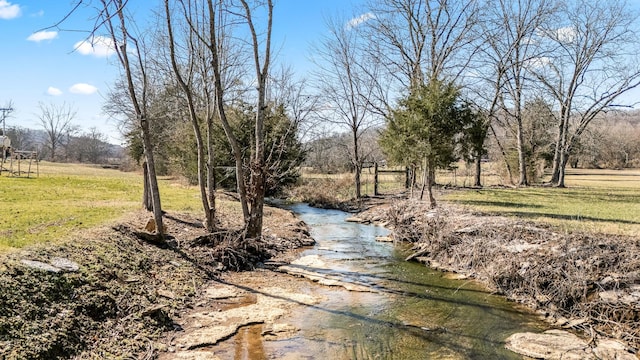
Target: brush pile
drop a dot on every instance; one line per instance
(588, 282)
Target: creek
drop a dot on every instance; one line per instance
(406, 311)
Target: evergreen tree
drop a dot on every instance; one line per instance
(425, 130)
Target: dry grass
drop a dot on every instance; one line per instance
(320, 191)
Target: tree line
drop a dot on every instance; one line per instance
(436, 81)
(447, 77)
(59, 139)
(198, 93)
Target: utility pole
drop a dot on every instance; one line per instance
(3, 117)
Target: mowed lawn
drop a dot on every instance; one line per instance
(603, 201)
(68, 197)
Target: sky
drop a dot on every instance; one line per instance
(55, 66)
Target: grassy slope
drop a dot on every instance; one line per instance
(68, 197)
(594, 200)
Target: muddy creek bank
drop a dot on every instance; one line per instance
(364, 301)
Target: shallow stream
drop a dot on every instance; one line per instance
(411, 312)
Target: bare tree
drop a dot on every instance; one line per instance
(593, 49)
(56, 121)
(213, 36)
(262, 60)
(345, 87)
(420, 40)
(91, 146)
(510, 30)
(186, 82)
(128, 47)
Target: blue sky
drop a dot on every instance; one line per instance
(54, 67)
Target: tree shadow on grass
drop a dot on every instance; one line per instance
(537, 215)
(506, 204)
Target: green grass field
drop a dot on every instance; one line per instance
(605, 201)
(68, 197)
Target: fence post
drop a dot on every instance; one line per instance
(375, 180)
(407, 176)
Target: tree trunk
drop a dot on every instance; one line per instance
(358, 181)
(146, 191)
(522, 158)
(254, 226)
(561, 172)
(504, 154)
(258, 175)
(153, 180)
(563, 153)
(211, 174)
(427, 182)
(357, 164)
(555, 169)
(139, 108)
(424, 181)
(431, 179)
(202, 162)
(478, 174)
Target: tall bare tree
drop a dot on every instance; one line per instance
(261, 49)
(57, 122)
(420, 40)
(510, 30)
(129, 48)
(221, 16)
(593, 61)
(345, 86)
(185, 74)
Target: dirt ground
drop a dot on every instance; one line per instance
(109, 293)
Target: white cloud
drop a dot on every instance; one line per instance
(54, 91)
(43, 35)
(99, 46)
(83, 89)
(8, 10)
(360, 19)
(566, 34)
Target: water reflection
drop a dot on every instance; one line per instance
(413, 313)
